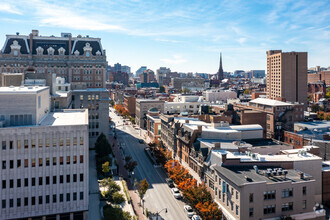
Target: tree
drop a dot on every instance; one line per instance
(111, 187)
(161, 89)
(106, 167)
(197, 194)
(102, 146)
(117, 198)
(112, 103)
(247, 92)
(111, 213)
(315, 108)
(142, 188)
(209, 210)
(130, 165)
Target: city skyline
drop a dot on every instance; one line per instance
(179, 35)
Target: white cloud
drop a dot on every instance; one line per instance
(242, 40)
(6, 7)
(177, 59)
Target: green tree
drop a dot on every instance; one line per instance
(247, 91)
(111, 213)
(106, 167)
(130, 165)
(102, 146)
(161, 89)
(117, 198)
(315, 108)
(111, 187)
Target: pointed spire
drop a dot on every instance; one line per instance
(220, 71)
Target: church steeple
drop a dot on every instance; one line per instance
(220, 71)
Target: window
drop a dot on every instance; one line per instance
(237, 208)
(4, 185)
(269, 209)
(18, 202)
(11, 183)
(74, 196)
(47, 199)
(68, 197)
(61, 178)
(26, 163)
(75, 141)
(61, 161)
(40, 162)
(61, 197)
(18, 144)
(81, 97)
(81, 141)
(40, 181)
(47, 142)
(11, 144)
(68, 142)
(3, 145)
(26, 182)
(47, 161)
(68, 178)
(81, 158)
(33, 181)
(287, 193)
(304, 190)
(26, 201)
(61, 142)
(251, 197)
(54, 142)
(304, 204)
(11, 164)
(54, 198)
(33, 200)
(81, 177)
(40, 143)
(47, 180)
(3, 164)
(74, 159)
(287, 206)
(40, 200)
(33, 162)
(18, 182)
(18, 163)
(68, 160)
(270, 195)
(26, 144)
(3, 204)
(74, 178)
(81, 196)
(250, 212)
(54, 161)
(33, 143)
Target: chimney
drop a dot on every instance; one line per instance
(217, 146)
(224, 158)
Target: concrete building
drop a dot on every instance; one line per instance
(185, 104)
(148, 76)
(215, 96)
(153, 125)
(177, 82)
(77, 59)
(97, 102)
(140, 71)
(12, 79)
(320, 76)
(161, 73)
(258, 73)
(287, 76)
(61, 96)
(44, 157)
(277, 185)
(142, 107)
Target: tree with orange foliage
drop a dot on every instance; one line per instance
(186, 184)
(209, 210)
(197, 194)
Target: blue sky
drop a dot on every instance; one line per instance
(186, 36)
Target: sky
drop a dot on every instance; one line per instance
(183, 35)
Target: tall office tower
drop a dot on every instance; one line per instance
(220, 71)
(287, 76)
(77, 59)
(140, 71)
(44, 157)
(161, 73)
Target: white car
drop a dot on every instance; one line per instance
(196, 217)
(176, 193)
(189, 211)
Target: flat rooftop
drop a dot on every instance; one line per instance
(66, 118)
(21, 89)
(271, 102)
(91, 90)
(314, 124)
(241, 175)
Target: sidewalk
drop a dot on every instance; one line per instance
(124, 174)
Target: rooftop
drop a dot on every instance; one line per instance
(66, 118)
(25, 89)
(241, 175)
(270, 102)
(91, 90)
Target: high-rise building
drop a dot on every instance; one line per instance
(44, 157)
(147, 76)
(77, 59)
(161, 73)
(140, 71)
(287, 76)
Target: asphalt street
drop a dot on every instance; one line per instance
(159, 195)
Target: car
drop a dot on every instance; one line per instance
(196, 217)
(176, 193)
(189, 211)
(170, 182)
(141, 141)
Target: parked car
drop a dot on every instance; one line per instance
(196, 217)
(189, 211)
(170, 182)
(176, 193)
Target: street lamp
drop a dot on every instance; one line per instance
(160, 212)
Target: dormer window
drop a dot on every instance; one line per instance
(50, 51)
(15, 47)
(88, 49)
(76, 53)
(61, 51)
(98, 53)
(40, 50)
